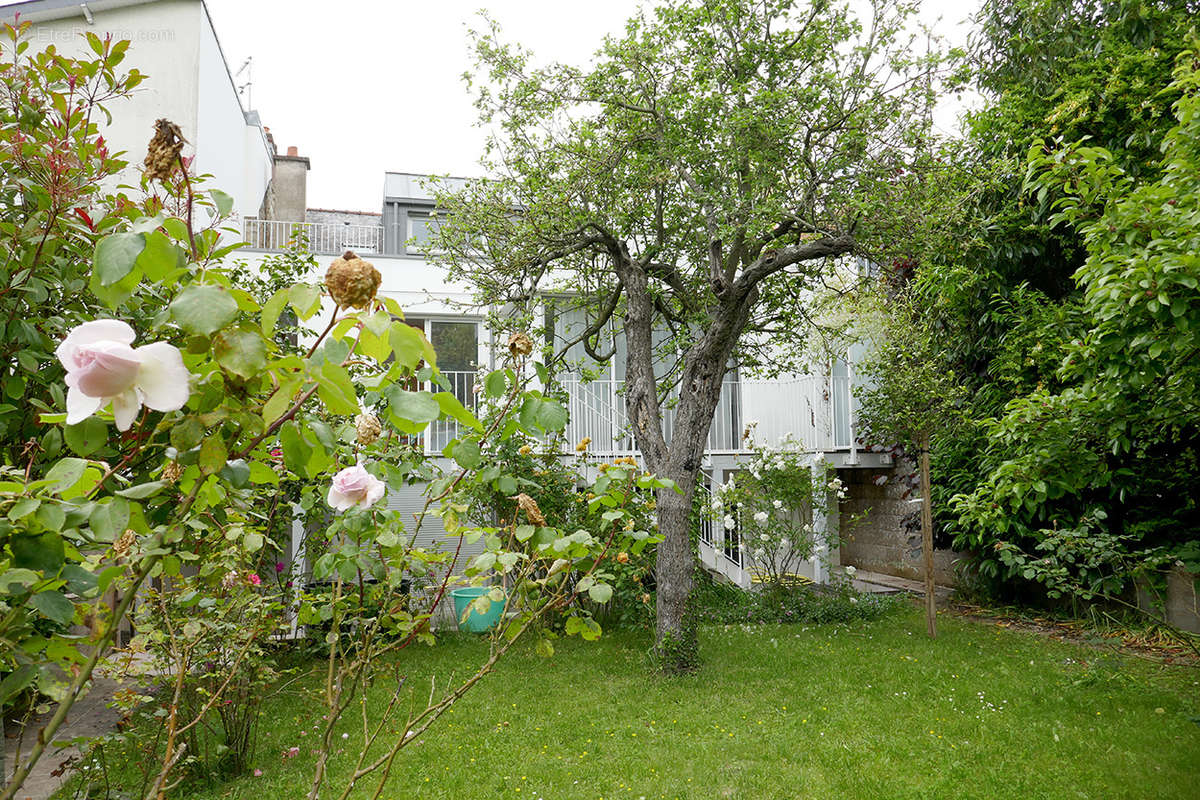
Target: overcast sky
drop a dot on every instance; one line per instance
(365, 86)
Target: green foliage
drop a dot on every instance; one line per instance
(52, 208)
(789, 604)
(1077, 476)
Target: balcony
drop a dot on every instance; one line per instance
(811, 413)
(322, 238)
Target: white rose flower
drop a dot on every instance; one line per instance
(778, 504)
(354, 486)
(763, 537)
(729, 523)
(103, 368)
(761, 518)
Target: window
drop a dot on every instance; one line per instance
(421, 228)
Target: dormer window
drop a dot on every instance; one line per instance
(421, 228)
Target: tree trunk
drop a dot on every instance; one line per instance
(700, 389)
(927, 539)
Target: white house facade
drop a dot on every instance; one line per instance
(174, 44)
(811, 412)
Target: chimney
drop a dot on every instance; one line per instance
(287, 199)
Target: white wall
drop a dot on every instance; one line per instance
(164, 45)
(173, 44)
(234, 153)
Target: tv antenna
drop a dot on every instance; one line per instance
(245, 87)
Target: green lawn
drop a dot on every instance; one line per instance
(872, 711)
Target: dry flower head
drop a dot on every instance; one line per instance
(352, 281)
(164, 152)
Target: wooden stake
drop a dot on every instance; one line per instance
(927, 539)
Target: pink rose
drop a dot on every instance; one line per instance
(254, 579)
(102, 367)
(354, 486)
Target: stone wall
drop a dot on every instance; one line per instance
(888, 538)
(336, 216)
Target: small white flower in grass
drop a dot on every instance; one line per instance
(102, 368)
(354, 486)
(761, 518)
(729, 523)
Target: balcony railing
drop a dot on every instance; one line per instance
(322, 238)
(811, 413)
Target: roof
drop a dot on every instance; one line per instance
(412, 186)
(40, 10)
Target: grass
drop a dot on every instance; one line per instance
(870, 710)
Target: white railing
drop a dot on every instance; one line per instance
(812, 411)
(443, 431)
(323, 238)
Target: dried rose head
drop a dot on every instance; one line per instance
(530, 507)
(368, 428)
(520, 345)
(172, 471)
(352, 281)
(164, 151)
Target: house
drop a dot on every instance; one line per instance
(813, 412)
(174, 44)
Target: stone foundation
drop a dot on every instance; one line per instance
(888, 538)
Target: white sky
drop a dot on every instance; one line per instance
(364, 86)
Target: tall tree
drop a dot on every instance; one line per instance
(699, 178)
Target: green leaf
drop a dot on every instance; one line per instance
(16, 682)
(45, 553)
(410, 346)
(452, 408)
(260, 473)
(222, 201)
(600, 592)
(305, 299)
(466, 454)
(142, 490)
(281, 400)
(412, 411)
(54, 606)
(202, 310)
(272, 310)
(66, 473)
(496, 384)
(161, 257)
(545, 415)
(116, 255)
(296, 451)
(186, 433)
(336, 391)
(110, 520)
(240, 350)
(236, 473)
(212, 455)
(253, 542)
(87, 437)
(23, 508)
